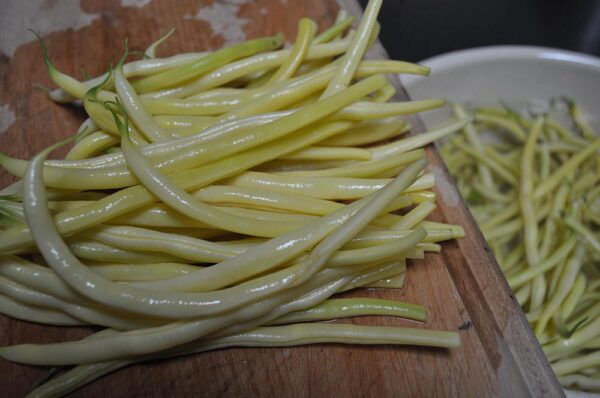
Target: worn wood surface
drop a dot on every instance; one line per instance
(462, 287)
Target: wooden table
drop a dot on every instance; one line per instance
(462, 288)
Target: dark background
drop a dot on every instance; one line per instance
(414, 30)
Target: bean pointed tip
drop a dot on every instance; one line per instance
(423, 70)
(278, 39)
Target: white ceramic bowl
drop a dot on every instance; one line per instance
(522, 77)
(517, 75)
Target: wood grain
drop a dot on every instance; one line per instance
(462, 288)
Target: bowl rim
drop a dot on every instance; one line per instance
(473, 56)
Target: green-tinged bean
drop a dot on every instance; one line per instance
(334, 31)
(259, 199)
(151, 49)
(550, 228)
(565, 169)
(375, 237)
(580, 382)
(91, 145)
(370, 168)
(491, 165)
(565, 346)
(70, 85)
(568, 306)
(370, 131)
(474, 139)
(342, 308)
(566, 282)
(321, 187)
(530, 227)
(580, 121)
(415, 216)
(386, 270)
(509, 125)
(360, 111)
(417, 141)
(135, 108)
(584, 232)
(277, 201)
(304, 37)
(373, 254)
(328, 153)
(560, 254)
(501, 160)
(384, 94)
(356, 50)
(523, 295)
(206, 64)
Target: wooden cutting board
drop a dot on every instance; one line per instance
(462, 288)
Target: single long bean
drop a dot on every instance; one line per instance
(321, 187)
(369, 168)
(135, 109)
(356, 50)
(370, 131)
(527, 211)
(31, 313)
(306, 31)
(206, 64)
(567, 280)
(341, 308)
